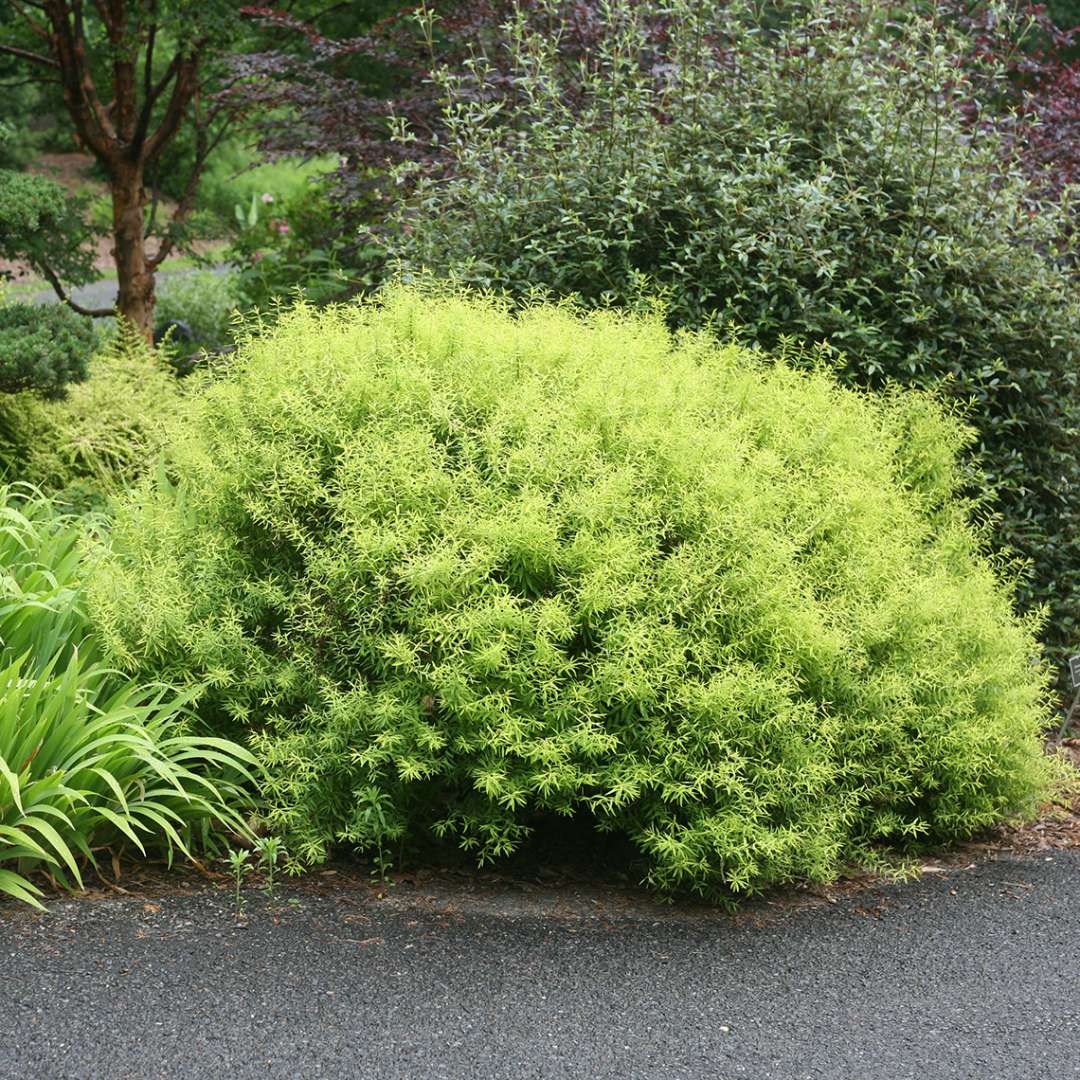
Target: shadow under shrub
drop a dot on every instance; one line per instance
(463, 571)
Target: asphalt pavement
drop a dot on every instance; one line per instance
(102, 293)
(967, 973)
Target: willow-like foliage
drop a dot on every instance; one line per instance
(458, 569)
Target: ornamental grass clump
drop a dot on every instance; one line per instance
(463, 571)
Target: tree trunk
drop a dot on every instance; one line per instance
(135, 278)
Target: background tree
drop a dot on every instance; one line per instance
(327, 92)
(327, 87)
(1035, 110)
(132, 74)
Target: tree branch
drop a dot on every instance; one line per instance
(153, 93)
(36, 28)
(125, 75)
(170, 72)
(25, 54)
(184, 89)
(54, 281)
(204, 148)
(148, 67)
(87, 84)
(92, 123)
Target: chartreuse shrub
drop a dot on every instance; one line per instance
(819, 181)
(458, 570)
(90, 762)
(101, 435)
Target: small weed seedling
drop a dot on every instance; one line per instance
(238, 863)
(269, 849)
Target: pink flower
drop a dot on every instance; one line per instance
(267, 197)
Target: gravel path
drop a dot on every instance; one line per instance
(972, 973)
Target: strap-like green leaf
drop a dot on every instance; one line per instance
(17, 886)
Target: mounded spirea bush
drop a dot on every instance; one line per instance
(803, 171)
(460, 570)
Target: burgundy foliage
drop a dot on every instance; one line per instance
(1037, 109)
(340, 96)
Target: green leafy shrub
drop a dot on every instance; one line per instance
(100, 436)
(89, 762)
(17, 143)
(237, 172)
(43, 226)
(205, 301)
(816, 182)
(301, 246)
(461, 571)
(42, 348)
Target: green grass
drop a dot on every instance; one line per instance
(231, 180)
(14, 292)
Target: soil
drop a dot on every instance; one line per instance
(579, 876)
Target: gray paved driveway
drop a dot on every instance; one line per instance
(970, 974)
(101, 294)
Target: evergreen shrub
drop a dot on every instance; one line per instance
(43, 225)
(42, 348)
(460, 570)
(819, 182)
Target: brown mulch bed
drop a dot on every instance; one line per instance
(554, 887)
